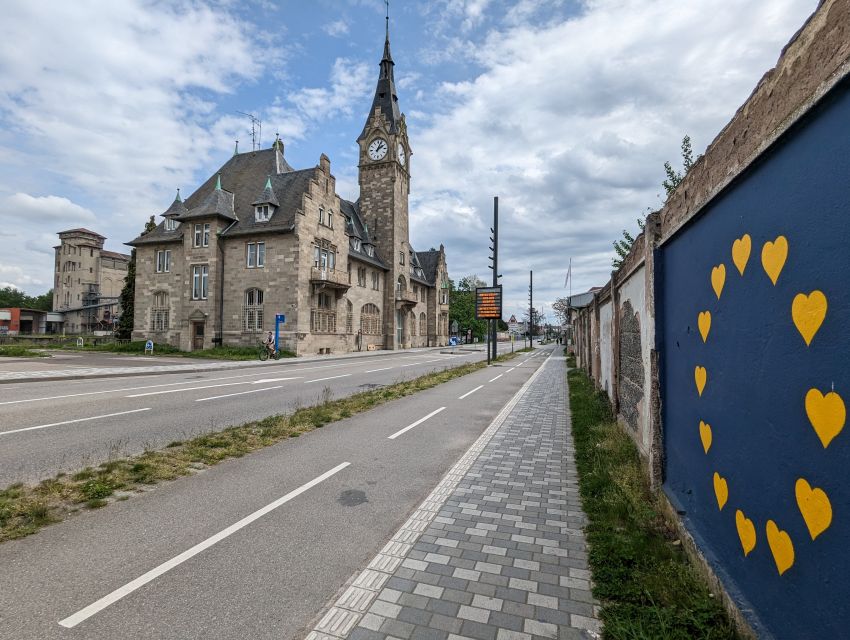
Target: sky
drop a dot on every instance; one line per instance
(566, 110)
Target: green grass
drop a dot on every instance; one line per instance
(17, 351)
(24, 509)
(648, 588)
(138, 348)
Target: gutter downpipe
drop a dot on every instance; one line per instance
(220, 337)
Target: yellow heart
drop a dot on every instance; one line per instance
(721, 490)
(741, 251)
(808, 312)
(746, 531)
(780, 546)
(814, 506)
(700, 377)
(718, 279)
(826, 413)
(704, 322)
(705, 435)
(773, 256)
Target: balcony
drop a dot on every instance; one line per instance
(330, 278)
(405, 296)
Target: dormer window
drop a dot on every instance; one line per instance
(263, 212)
(370, 251)
(171, 224)
(355, 244)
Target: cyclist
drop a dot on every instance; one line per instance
(269, 343)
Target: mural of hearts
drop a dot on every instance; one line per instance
(780, 546)
(700, 377)
(705, 435)
(718, 279)
(741, 249)
(704, 323)
(721, 490)
(814, 506)
(746, 532)
(827, 414)
(773, 257)
(808, 312)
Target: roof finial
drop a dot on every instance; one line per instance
(218, 182)
(268, 182)
(387, 2)
(236, 150)
(178, 198)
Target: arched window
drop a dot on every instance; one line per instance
(370, 320)
(349, 317)
(423, 326)
(412, 323)
(252, 312)
(159, 311)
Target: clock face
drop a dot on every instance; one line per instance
(378, 149)
(401, 155)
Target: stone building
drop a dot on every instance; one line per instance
(260, 238)
(87, 281)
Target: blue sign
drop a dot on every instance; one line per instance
(453, 341)
(280, 318)
(149, 346)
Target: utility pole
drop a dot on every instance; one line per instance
(530, 308)
(495, 323)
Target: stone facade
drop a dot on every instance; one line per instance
(224, 263)
(87, 281)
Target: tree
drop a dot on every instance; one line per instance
(462, 306)
(561, 307)
(11, 297)
(128, 292)
(674, 179)
(537, 319)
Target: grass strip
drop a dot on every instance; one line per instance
(17, 351)
(138, 348)
(648, 588)
(24, 509)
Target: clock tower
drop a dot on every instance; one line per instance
(384, 177)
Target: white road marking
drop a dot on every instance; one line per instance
(384, 369)
(130, 587)
(344, 375)
(497, 377)
(412, 364)
(208, 386)
(511, 369)
(266, 380)
(415, 424)
(56, 424)
(240, 393)
(469, 393)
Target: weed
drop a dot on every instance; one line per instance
(95, 490)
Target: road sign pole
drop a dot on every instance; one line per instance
(279, 319)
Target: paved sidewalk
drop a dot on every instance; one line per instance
(496, 552)
(217, 365)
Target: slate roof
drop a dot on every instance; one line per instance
(114, 255)
(178, 207)
(385, 93)
(429, 260)
(267, 196)
(581, 300)
(356, 228)
(81, 230)
(219, 202)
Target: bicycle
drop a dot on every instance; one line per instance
(265, 353)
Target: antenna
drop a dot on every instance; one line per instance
(256, 130)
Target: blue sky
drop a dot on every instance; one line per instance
(566, 110)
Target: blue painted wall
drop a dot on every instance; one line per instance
(759, 370)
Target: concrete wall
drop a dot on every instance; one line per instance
(727, 343)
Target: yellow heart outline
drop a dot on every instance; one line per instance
(814, 506)
(741, 249)
(746, 532)
(721, 490)
(826, 413)
(701, 378)
(718, 279)
(808, 313)
(704, 324)
(705, 435)
(781, 547)
(773, 257)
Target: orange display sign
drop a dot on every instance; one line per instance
(488, 303)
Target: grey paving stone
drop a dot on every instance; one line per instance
(412, 600)
(397, 628)
(424, 633)
(506, 621)
(414, 616)
(450, 623)
(359, 633)
(477, 630)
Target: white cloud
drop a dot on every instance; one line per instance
(53, 209)
(336, 28)
(571, 122)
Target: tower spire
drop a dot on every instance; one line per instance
(385, 93)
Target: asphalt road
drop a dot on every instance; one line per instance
(281, 530)
(47, 427)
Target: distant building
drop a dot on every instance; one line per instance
(87, 281)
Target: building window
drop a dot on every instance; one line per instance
(354, 243)
(376, 280)
(263, 213)
(256, 255)
(323, 258)
(370, 251)
(252, 313)
(323, 317)
(171, 224)
(423, 327)
(349, 317)
(401, 257)
(361, 276)
(370, 320)
(200, 279)
(444, 296)
(159, 311)
(163, 261)
(202, 235)
(321, 215)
